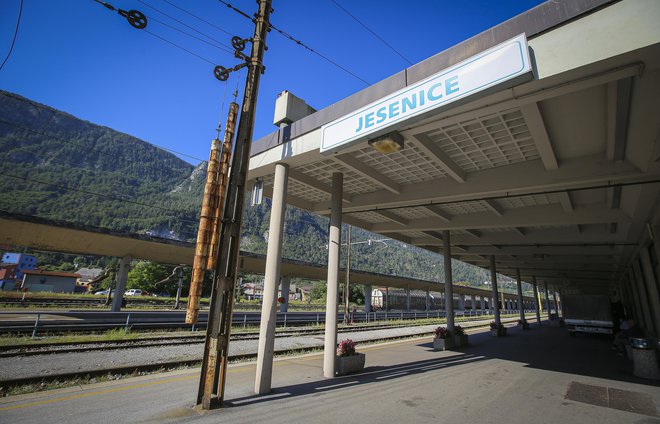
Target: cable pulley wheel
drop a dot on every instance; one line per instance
(238, 43)
(221, 73)
(136, 19)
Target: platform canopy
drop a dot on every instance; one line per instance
(556, 175)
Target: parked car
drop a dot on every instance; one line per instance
(133, 292)
(103, 292)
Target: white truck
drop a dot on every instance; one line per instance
(587, 313)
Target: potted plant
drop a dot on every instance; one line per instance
(443, 339)
(523, 324)
(348, 360)
(497, 330)
(460, 338)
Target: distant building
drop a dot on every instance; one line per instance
(8, 276)
(23, 262)
(46, 281)
(88, 274)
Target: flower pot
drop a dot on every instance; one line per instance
(498, 332)
(348, 364)
(461, 340)
(442, 344)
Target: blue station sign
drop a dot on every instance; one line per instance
(492, 68)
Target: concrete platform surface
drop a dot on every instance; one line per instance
(522, 378)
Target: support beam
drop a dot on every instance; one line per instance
(536, 301)
(536, 127)
(449, 288)
(376, 177)
(391, 216)
(565, 201)
(332, 296)
(122, 278)
(520, 296)
(435, 210)
(367, 298)
(493, 283)
(643, 297)
(266, 348)
(313, 183)
(651, 286)
(494, 207)
(619, 97)
(440, 158)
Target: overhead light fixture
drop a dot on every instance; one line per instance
(387, 143)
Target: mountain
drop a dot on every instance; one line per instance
(57, 166)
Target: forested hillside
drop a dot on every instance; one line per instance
(57, 166)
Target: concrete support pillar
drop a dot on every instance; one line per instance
(428, 300)
(449, 288)
(122, 278)
(643, 296)
(473, 300)
(554, 299)
(651, 287)
(330, 346)
(495, 307)
(636, 305)
(265, 350)
(537, 307)
(547, 298)
(367, 298)
(461, 302)
(286, 286)
(521, 301)
(482, 301)
(407, 299)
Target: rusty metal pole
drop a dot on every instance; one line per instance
(227, 146)
(214, 361)
(209, 206)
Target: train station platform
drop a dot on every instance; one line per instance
(541, 376)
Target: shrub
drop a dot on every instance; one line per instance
(458, 330)
(442, 333)
(347, 348)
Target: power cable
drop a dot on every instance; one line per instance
(102, 195)
(371, 31)
(225, 46)
(300, 43)
(197, 17)
(217, 46)
(13, 41)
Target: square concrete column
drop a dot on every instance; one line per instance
(408, 299)
(554, 299)
(651, 287)
(482, 303)
(265, 350)
(536, 301)
(332, 296)
(494, 306)
(521, 301)
(473, 301)
(461, 302)
(643, 296)
(286, 286)
(636, 305)
(428, 300)
(547, 298)
(449, 288)
(367, 298)
(122, 278)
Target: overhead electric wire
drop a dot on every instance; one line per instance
(93, 193)
(13, 40)
(199, 18)
(165, 40)
(300, 43)
(226, 46)
(217, 46)
(372, 32)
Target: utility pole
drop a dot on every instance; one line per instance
(348, 275)
(216, 348)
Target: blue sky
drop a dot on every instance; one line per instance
(79, 57)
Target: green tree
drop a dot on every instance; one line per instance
(144, 275)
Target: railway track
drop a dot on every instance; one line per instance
(118, 371)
